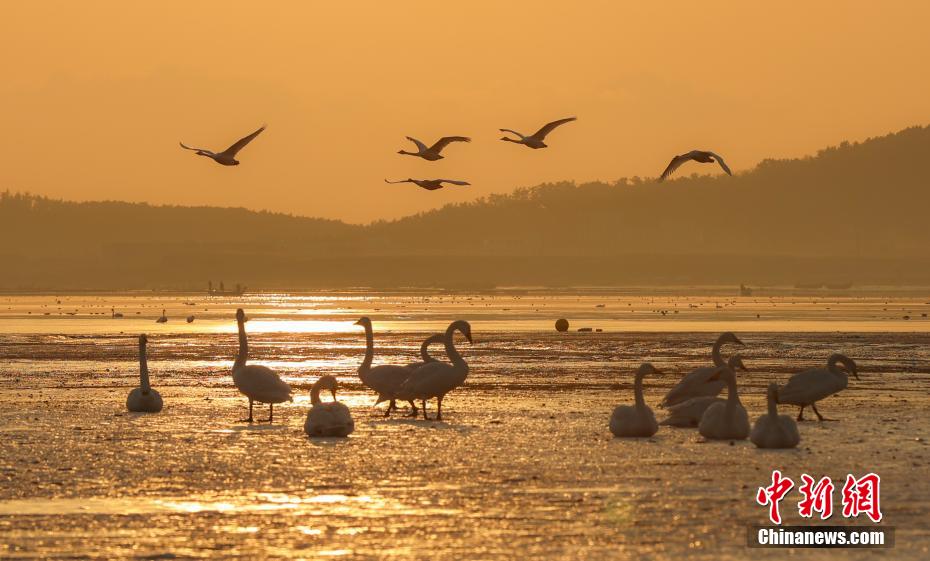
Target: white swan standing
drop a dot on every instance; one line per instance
(701, 156)
(436, 379)
(432, 153)
(688, 413)
(810, 386)
(163, 318)
(226, 157)
(424, 350)
(144, 399)
(773, 430)
(698, 382)
(327, 419)
(535, 140)
(385, 379)
(729, 420)
(258, 383)
(638, 419)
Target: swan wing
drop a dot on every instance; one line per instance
(428, 381)
(690, 386)
(399, 181)
(720, 161)
(420, 146)
(240, 144)
(549, 127)
(446, 140)
(809, 386)
(513, 132)
(261, 384)
(674, 164)
(204, 150)
(455, 182)
(387, 379)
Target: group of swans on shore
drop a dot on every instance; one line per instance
(434, 152)
(424, 380)
(693, 402)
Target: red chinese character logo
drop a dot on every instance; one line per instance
(817, 497)
(773, 494)
(861, 496)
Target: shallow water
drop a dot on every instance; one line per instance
(522, 464)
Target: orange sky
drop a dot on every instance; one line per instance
(96, 95)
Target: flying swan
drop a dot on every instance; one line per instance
(701, 156)
(429, 184)
(432, 153)
(536, 139)
(226, 157)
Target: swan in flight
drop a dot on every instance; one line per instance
(773, 430)
(638, 419)
(143, 399)
(327, 419)
(429, 184)
(385, 379)
(226, 157)
(432, 153)
(728, 420)
(258, 383)
(424, 350)
(163, 318)
(810, 386)
(536, 139)
(698, 382)
(436, 379)
(701, 156)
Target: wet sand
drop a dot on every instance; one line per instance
(523, 463)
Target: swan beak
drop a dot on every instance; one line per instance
(359, 322)
(738, 342)
(334, 394)
(469, 339)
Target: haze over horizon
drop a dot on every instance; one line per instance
(96, 108)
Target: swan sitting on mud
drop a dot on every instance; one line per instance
(638, 419)
(810, 386)
(144, 399)
(773, 430)
(436, 379)
(385, 379)
(729, 420)
(688, 413)
(327, 419)
(700, 382)
(258, 383)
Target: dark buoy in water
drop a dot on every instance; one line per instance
(561, 325)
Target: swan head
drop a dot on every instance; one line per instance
(327, 382)
(143, 339)
(647, 369)
(729, 337)
(736, 363)
(235, 162)
(364, 321)
(240, 315)
(463, 327)
(850, 365)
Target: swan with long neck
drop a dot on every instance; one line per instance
(385, 379)
(163, 318)
(810, 386)
(258, 383)
(424, 350)
(636, 420)
(144, 399)
(327, 419)
(699, 381)
(773, 430)
(728, 420)
(436, 379)
(688, 413)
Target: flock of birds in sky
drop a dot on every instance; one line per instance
(692, 402)
(433, 153)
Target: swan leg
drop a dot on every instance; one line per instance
(249, 420)
(820, 417)
(425, 418)
(801, 413)
(439, 408)
(391, 405)
(270, 412)
(413, 409)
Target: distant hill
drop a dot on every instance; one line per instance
(851, 213)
